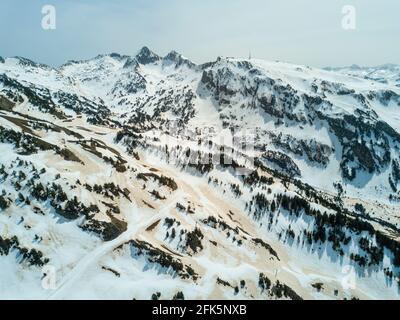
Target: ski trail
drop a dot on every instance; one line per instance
(83, 264)
(133, 230)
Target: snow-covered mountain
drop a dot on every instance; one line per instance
(154, 177)
(387, 73)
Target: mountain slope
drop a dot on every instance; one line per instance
(232, 179)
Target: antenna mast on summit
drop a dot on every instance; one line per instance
(249, 55)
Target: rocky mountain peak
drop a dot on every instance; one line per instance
(176, 59)
(146, 56)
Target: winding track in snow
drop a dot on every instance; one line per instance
(95, 255)
(133, 230)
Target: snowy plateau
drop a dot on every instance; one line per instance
(106, 191)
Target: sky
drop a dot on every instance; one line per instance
(307, 32)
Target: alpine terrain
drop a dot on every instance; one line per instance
(149, 177)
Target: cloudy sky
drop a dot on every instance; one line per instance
(299, 31)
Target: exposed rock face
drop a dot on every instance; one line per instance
(145, 56)
(283, 162)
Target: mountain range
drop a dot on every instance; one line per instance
(149, 177)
